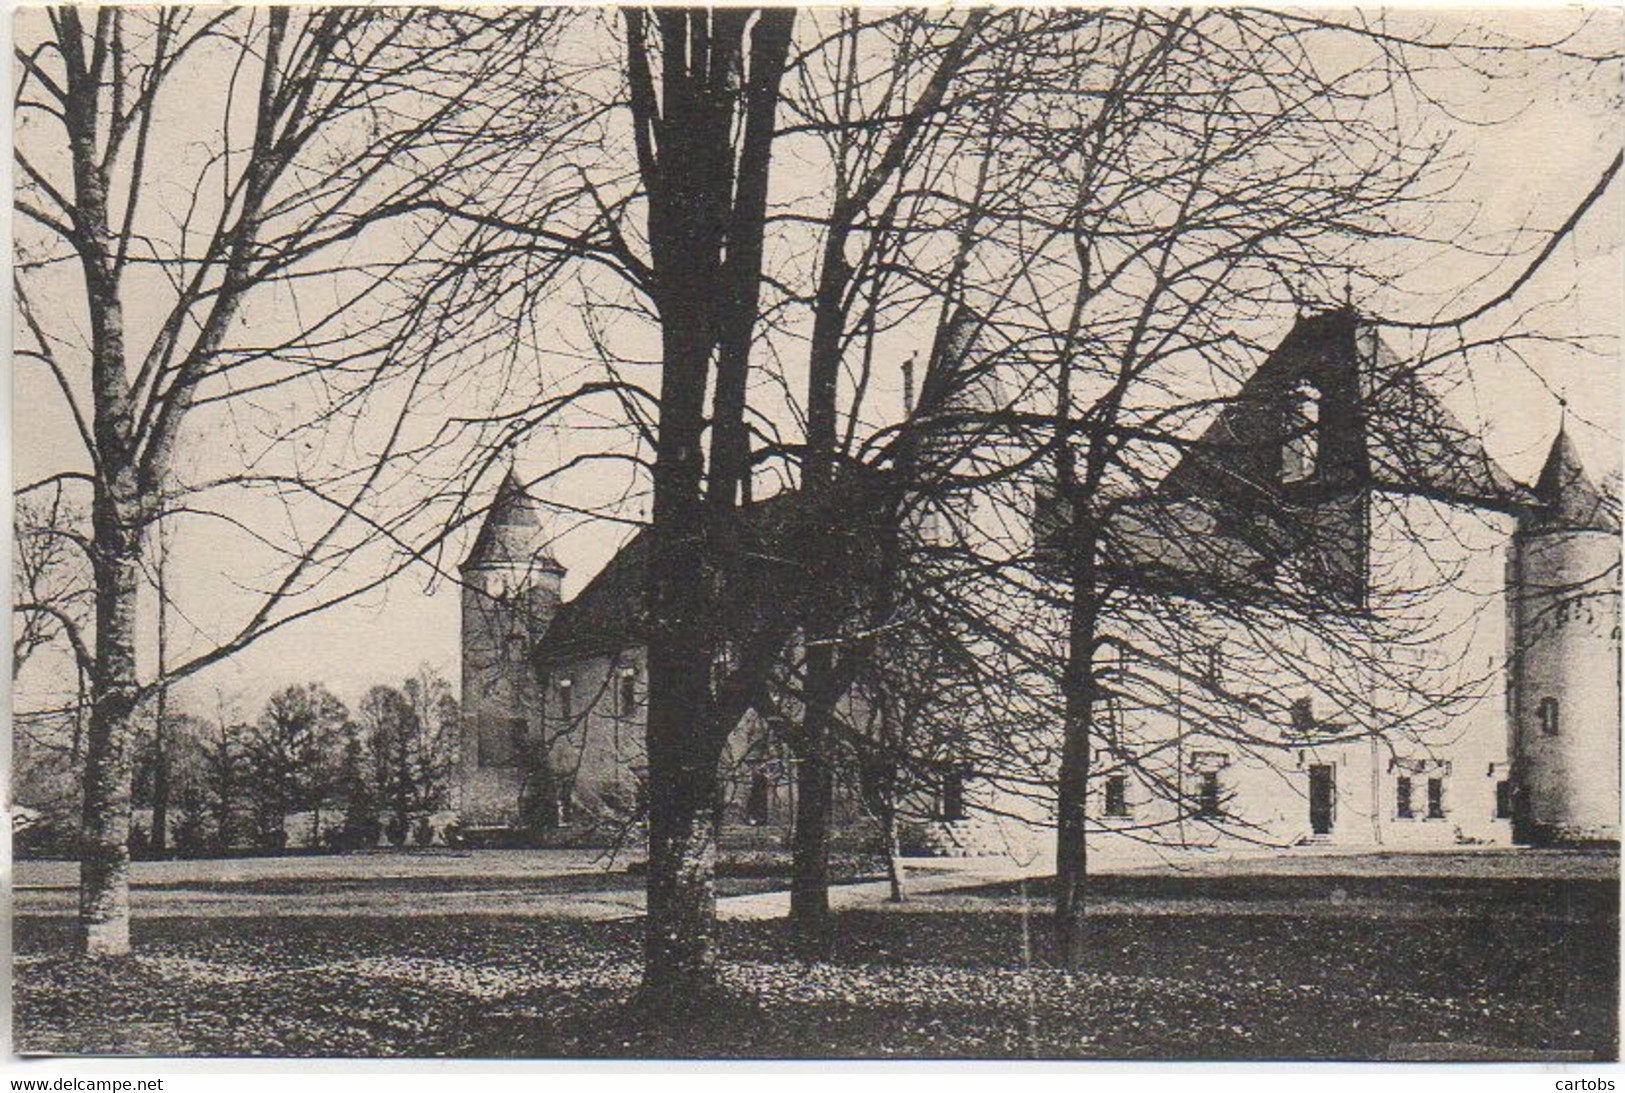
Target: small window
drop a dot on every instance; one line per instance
(1404, 807)
(1213, 670)
(1116, 795)
(566, 798)
(1548, 712)
(721, 665)
(566, 689)
(627, 697)
(1503, 800)
(1301, 453)
(1207, 797)
(1435, 798)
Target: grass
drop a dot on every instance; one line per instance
(1515, 967)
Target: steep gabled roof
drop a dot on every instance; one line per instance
(513, 533)
(1569, 500)
(607, 615)
(1381, 427)
(1416, 445)
(1229, 513)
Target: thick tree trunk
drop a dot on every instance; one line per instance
(707, 185)
(680, 957)
(811, 927)
(683, 743)
(104, 851)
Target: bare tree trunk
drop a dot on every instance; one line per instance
(704, 241)
(680, 959)
(1072, 795)
(683, 743)
(104, 851)
(160, 727)
(160, 788)
(893, 852)
(810, 923)
(1078, 683)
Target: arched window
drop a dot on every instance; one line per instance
(1548, 712)
(1301, 453)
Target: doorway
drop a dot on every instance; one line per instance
(1322, 798)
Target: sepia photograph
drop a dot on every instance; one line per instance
(816, 533)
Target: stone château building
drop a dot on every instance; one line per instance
(1518, 587)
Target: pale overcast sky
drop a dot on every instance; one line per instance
(1531, 169)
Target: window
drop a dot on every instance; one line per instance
(1404, 808)
(1303, 716)
(1213, 670)
(951, 796)
(566, 689)
(758, 801)
(1548, 712)
(1301, 452)
(1207, 797)
(1503, 800)
(627, 696)
(721, 665)
(566, 798)
(1116, 795)
(1435, 798)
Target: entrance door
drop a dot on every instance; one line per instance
(1322, 798)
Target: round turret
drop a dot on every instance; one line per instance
(1564, 596)
(511, 590)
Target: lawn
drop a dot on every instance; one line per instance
(1265, 969)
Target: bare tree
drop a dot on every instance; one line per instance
(175, 262)
(409, 735)
(1142, 214)
(53, 605)
(1151, 223)
(169, 771)
(704, 144)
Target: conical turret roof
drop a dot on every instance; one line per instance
(513, 533)
(1568, 499)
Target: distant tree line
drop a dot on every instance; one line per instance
(307, 773)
